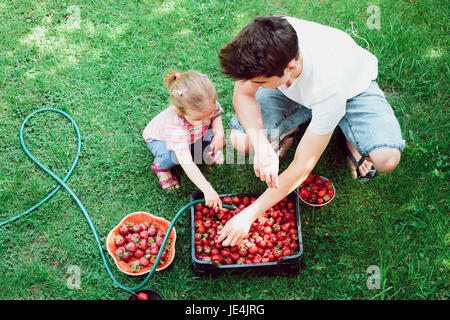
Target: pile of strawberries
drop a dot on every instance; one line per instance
(314, 190)
(272, 236)
(138, 245)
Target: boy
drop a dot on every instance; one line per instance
(288, 71)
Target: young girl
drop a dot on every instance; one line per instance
(189, 130)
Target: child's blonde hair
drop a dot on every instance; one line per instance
(190, 90)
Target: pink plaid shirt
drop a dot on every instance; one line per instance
(175, 130)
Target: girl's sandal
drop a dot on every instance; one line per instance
(166, 183)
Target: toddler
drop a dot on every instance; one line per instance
(189, 130)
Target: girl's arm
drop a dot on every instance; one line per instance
(218, 141)
(195, 175)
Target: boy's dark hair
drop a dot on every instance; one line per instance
(263, 48)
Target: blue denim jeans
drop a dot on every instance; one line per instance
(369, 122)
(166, 159)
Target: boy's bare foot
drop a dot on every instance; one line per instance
(364, 168)
(282, 148)
(167, 180)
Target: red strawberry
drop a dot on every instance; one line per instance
(120, 240)
(123, 230)
(129, 237)
(322, 192)
(144, 262)
(144, 226)
(142, 296)
(256, 259)
(205, 212)
(143, 234)
(130, 226)
(225, 252)
(120, 252)
(159, 241)
(216, 259)
(137, 228)
(131, 246)
(320, 200)
(285, 227)
(318, 181)
(127, 256)
(138, 253)
(253, 249)
(227, 200)
(136, 237)
(143, 244)
(235, 256)
(135, 266)
(154, 250)
(151, 230)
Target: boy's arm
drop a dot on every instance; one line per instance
(248, 111)
(307, 155)
(195, 175)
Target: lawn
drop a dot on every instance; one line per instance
(106, 70)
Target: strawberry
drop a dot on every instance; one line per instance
(227, 200)
(131, 246)
(142, 296)
(285, 227)
(127, 256)
(137, 228)
(143, 244)
(136, 238)
(322, 192)
(144, 226)
(120, 252)
(123, 230)
(253, 249)
(135, 266)
(144, 262)
(119, 240)
(225, 253)
(151, 230)
(143, 234)
(138, 253)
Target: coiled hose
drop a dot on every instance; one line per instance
(62, 183)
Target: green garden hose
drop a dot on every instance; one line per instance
(62, 183)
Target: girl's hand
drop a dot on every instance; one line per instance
(218, 142)
(212, 199)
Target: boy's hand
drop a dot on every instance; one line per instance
(235, 229)
(266, 164)
(212, 199)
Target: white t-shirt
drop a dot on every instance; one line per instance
(335, 69)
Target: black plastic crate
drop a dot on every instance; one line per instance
(287, 266)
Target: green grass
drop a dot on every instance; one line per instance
(108, 75)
